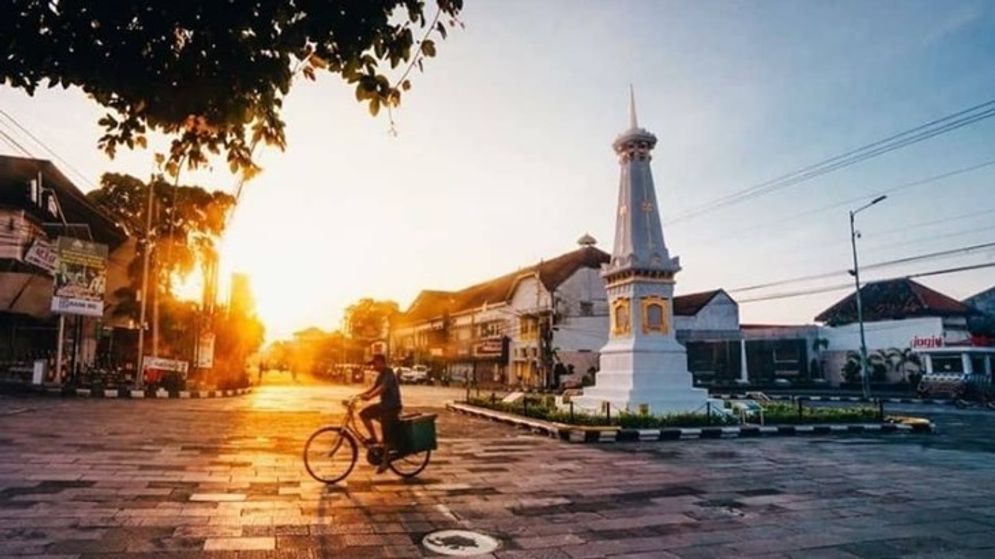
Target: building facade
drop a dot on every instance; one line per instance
(514, 329)
(38, 205)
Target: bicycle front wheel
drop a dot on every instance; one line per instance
(330, 454)
(410, 465)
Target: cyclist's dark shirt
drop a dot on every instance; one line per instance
(390, 398)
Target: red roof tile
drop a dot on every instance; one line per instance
(893, 300)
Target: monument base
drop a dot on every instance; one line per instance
(636, 379)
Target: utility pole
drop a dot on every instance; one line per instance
(143, 294)
(865, 382)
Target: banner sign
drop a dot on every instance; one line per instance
(42, 254)
(205, 351)
(490, 348)
(80, 277)
(163, 364)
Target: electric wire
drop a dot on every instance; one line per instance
(840, 287)
(45, 147)
(880, 147)
(737, 235)
(877, 265)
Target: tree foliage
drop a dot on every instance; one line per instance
(212, 75)
(187, 220)
(368, 319)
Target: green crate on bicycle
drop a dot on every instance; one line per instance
(415, 433)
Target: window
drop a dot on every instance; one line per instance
(586, 308)
(786, 354)
(655, 315)
(948, 364)
(490, 329)
(621, 318)
(528, 328)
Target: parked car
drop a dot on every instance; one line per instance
(414, 375)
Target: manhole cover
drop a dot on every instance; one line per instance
(461, 543)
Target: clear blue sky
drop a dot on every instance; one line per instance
(503, 155)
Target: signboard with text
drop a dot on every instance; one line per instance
(167, 365)
(205, 351)
(80, 277)
(42, 254)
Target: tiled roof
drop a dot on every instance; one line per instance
(893, 300)
(552, 273)
(692, 303)
(436, 304)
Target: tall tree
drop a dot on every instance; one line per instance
(213, 75)
(188, 221)
(368, 319)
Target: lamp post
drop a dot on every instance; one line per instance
(865, 383)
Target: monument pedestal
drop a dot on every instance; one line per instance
(635, 374)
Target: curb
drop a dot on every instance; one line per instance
(788, 397)
(124, 394)
(572, 434)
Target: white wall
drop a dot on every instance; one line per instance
(720, 314)
(883, 335)
(915, 333)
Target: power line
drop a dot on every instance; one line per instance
(840, 287)
(44, 146)
(14, 144)
(876, 265)
(959, 233)
(737, 234)
(873, 247)
(905, 138)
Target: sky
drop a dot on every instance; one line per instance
(503, 152)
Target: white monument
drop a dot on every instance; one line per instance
(643, 367)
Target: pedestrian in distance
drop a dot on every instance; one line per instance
(386, 411)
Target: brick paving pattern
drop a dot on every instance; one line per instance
(224, 478)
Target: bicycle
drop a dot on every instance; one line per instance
(330, 453)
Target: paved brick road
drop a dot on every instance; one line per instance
(223, 478)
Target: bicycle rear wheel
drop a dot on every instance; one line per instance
(330, 454)
(410, 465)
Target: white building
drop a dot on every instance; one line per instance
(511, 329)
(462, 331)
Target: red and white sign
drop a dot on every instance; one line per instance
(489, 348)
(926, 342)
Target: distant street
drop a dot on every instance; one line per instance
(224, 478)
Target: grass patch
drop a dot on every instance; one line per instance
(775, 413)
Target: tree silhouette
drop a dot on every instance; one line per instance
(212, 75)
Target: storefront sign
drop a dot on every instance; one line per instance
(926, 342)
(205, 351)
(490, 348)
(163, 364)
(80, 277)
(42, 254)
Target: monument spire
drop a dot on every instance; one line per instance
(639, 244)
(633, 123)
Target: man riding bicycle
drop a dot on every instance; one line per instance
(386, 411)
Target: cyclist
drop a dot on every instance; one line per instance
(386, 411)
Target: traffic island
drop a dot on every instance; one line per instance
(619, 433)
(124, 393)
(834, 398)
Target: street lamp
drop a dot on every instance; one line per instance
(865, 383)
